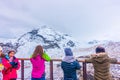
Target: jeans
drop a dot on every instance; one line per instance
(42, 78)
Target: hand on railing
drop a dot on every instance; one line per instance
(118, 63)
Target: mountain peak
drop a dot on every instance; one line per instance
(47, 37)
(45, 27)
(34, 31)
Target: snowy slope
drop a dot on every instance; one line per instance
(53, 42)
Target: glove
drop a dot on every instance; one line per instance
(14, 64)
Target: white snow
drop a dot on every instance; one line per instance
(28, 42)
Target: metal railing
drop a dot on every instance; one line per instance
(51, 68)
(84, 66)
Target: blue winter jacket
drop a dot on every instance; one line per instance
(69, 70)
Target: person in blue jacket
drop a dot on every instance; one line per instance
(69, 65)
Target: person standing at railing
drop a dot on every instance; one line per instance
(1, 65)
(11, 65)
(101, 63)
(38, 59)
(69, 65)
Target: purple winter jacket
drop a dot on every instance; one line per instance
(38, 66)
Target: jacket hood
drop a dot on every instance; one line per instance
(99, 57)
(68, 59)
(68, 52)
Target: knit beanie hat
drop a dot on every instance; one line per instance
(0, 48)
(68, 52)
(100, 49)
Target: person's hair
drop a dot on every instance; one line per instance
(2, 55)
(38, 50)
(11, 51)
(100, 49)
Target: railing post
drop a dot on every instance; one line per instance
(22, 69)
(84, 71)
(51, 70)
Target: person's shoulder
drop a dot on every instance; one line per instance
(63, 62)
(5, 57)
(99, 55)
(76, 61)
(16, 58)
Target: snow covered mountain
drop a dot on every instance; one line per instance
(52, 41)
(48, 38)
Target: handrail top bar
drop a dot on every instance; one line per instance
(29, 59)
(51, 59)
(58, 60)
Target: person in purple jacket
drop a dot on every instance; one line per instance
(38, 64)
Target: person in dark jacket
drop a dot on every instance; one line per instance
(69, 65)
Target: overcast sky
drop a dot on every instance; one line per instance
(82, 19)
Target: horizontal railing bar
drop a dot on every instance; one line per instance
(51, 59)
(60, 60)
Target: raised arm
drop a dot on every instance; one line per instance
(113, 60)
